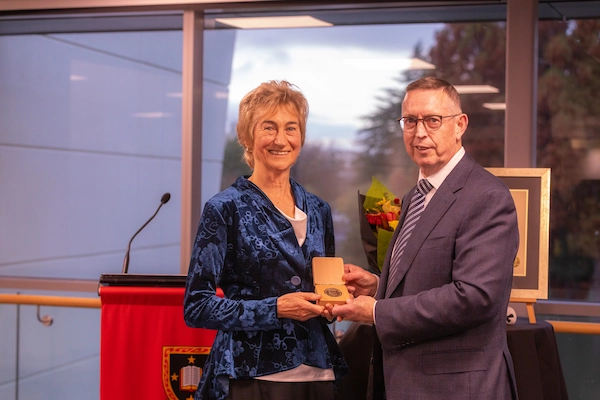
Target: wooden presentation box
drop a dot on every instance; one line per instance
(327, 277)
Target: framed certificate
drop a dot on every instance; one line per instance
(530, 188)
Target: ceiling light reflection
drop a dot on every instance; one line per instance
(157, 114)
(301, 21)
(388, 64)
(472, 89)
(495, 106)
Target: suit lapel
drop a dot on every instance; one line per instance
(437, 207)
(386, 262)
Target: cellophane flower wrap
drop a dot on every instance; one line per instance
(381, 210)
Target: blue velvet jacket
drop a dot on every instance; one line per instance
(249, 249)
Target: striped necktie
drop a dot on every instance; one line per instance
(417, 205)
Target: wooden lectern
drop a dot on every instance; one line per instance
(146, 349)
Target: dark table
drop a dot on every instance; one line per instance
(536, 360)
(532, 346)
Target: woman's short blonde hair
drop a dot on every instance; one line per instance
(267, 98)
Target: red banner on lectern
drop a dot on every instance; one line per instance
(146, 350)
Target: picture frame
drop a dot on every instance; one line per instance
(530, 188)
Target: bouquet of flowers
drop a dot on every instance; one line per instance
(380, 212)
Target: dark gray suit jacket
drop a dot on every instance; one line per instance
(442, 332)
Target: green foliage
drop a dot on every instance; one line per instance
(568, 128)
(233, 163)
(568, 134)
(468, 53)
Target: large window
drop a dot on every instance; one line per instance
(90, 139)
(569, 144)
(353, 78)
(354, 72)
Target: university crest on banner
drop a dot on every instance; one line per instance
(181, 370)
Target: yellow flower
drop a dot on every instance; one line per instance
(381, 209)
(387, 207)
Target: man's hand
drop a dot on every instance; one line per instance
(359, 281)
(359, 309)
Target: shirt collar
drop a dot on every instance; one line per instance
(438, 178)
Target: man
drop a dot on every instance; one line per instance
(439, 307)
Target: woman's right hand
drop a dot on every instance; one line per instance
(299, 306)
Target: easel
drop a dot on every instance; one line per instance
(529, 306)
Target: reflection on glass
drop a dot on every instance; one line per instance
(90, 140)
(354, 77)
(569, 144)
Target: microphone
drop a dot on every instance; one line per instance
(164, 199)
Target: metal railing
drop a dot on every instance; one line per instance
(58, 301)
(588, 328)
(585, 328)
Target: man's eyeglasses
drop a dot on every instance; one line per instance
(430, 122)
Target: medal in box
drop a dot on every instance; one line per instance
(327, 277)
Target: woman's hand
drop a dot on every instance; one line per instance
(299, 306)
(328, 312)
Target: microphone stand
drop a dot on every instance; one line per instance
(163, 200)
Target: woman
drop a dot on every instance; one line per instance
(256, 241)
